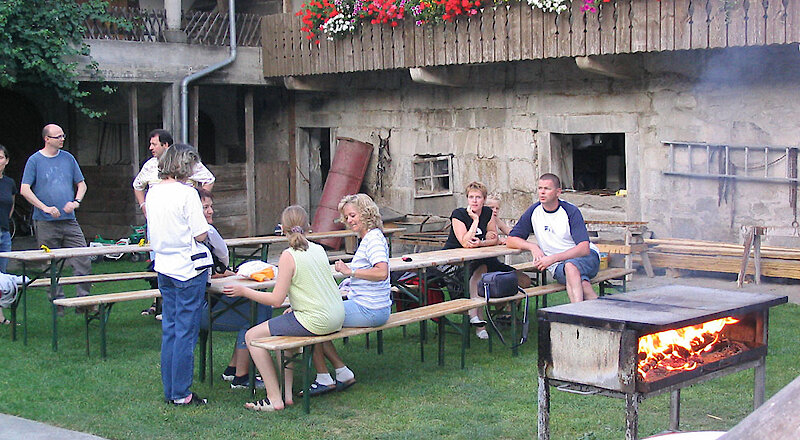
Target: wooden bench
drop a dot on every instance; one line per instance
(103, 303)
(397, 319)
(97, 278)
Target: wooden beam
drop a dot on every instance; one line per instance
(250, 165)
(603, 67)
(292, 123)
(312, 84)
(133, 127)
(450, 76)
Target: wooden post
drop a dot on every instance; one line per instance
(632, 415)
(250, 165)
(675, 410)
(748, 243)
(544, 409)
(194, 116)
(292, 149)
(133, 127)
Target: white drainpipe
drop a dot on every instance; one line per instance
(185, 82)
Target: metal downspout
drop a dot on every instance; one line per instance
(185, 82)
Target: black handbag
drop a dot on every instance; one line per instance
(503, 285)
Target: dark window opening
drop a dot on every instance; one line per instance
(593, 162)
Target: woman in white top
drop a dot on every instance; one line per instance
(176, 224)
(369, 302)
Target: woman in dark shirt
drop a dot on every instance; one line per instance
(473, 227)
(8, 189)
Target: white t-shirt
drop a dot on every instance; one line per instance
(175, 217)
(372, 250)
(148, 175)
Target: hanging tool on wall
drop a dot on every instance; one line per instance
(384, 159)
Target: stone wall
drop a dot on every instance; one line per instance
(498, 130)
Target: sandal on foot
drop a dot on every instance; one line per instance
(260, 405)
(341, 386)
(194, 400)
(317, 389)
(482, 334)
(149, 311)
(6, 321)
(476, 322)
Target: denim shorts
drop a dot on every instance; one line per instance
(287, 325)
(356, 315)
(588, 265)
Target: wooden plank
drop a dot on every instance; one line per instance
(292, 40)
(737, 33)
(667, 25)
(439, 44)
(267, 45)
(776, 23)
(549, 34)
(430, 45)
(793, 22)
(133, 128)
(564, 28)
(593, 33)
(99, 278)
(654, 25)
(387, 57)
(756, 24)
(578, 29)
(526, 31)
(700, 24)
(514, 41)
(450, 45)
(398, 39)
(726, 264)
(487, 36)
(683, 26)
(608, 27)
(419, 45)
(717, 26)
(463, 38)
(623, 41)
(409, 37)
(500, 33)
(639, 22)
(537, 34)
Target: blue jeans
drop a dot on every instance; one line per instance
(236, 318)
(359, 316)
(180, 324)
(5, 246)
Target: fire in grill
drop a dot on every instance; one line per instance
(648, 342)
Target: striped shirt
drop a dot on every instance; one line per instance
(372, 250)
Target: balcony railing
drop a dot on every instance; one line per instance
(208, 28)
(518, 32)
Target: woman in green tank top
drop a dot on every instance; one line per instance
(304, 275)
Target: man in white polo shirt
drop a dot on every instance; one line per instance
(563, 243)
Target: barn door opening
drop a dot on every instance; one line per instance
(314, 153)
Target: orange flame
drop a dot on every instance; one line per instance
(678, 349)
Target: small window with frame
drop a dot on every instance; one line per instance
(433, 176)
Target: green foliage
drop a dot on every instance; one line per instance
(41, 42)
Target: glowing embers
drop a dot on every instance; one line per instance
(685, 349)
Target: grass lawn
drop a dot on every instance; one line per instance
(396, 396)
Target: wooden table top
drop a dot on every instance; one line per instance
(56, 254)
(418, 261)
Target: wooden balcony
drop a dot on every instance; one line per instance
(518, 32)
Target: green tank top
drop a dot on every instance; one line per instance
(313, 294)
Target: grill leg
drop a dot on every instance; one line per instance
(759, 383)
(544, 409)
(675, 410)
(632, 416)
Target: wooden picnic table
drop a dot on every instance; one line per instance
(54, 259)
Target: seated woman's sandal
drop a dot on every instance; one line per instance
(261, 405)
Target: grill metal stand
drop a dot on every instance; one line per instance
(617, 323)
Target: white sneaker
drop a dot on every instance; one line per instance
(158, 317)
(477, 321)
(19, 279)
(482, 334)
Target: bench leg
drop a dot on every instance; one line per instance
(203, 339)
(86, 327)
(104, 311)
(465, 329)
(514, 336)
(366, 341)
(441, 341)
(380, 342)
(307, 367)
